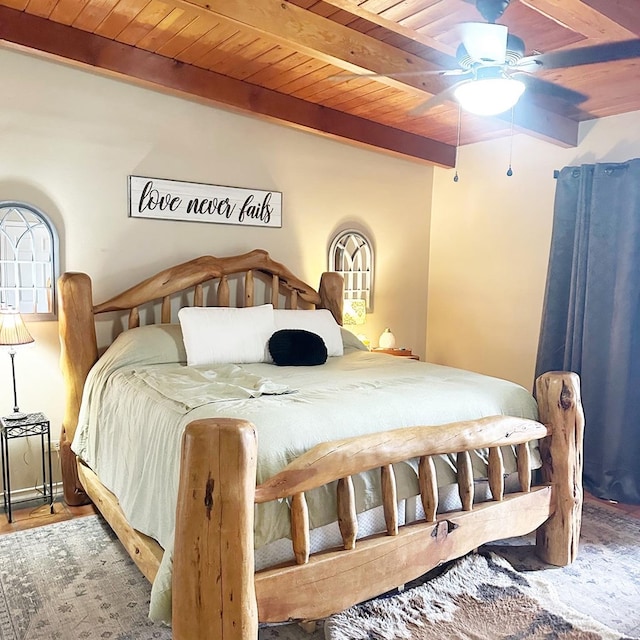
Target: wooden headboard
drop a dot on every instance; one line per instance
(184, 283)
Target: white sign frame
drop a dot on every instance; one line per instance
(161, 199)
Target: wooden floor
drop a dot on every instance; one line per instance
(629, 509)
(38, 514)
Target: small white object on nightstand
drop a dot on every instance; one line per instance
(387, 340)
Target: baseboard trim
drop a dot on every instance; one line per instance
(31, 493)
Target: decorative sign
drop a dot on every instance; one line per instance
(174, 200)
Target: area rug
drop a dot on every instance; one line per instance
(604, 580)
(479, 597)
(73, 581)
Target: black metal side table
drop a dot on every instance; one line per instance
(33, 424)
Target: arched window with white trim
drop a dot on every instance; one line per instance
(351, 254)
(28, 261)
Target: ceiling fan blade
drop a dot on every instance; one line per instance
(434, 101)
(608, 52)
(485, 42)
(546, 88)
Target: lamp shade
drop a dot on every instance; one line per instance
(12, 329)
(354, 312)
(489, 96)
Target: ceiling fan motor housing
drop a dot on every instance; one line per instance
(491, 10)
(513, 54)
(515, 49)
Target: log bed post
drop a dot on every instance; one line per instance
(78, 353)
(560, 408)
(213, 590)
(331, 292)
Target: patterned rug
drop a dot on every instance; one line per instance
(69, 581)
(73, 581)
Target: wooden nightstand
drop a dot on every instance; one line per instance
(403, 353)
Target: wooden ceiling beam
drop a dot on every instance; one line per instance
(546, 125)
(578, 16)
(321, 38)
(87, 51)
(389, 25)
(625, 14)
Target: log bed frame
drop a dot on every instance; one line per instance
(217, 594)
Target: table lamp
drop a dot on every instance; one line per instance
(387, 340)
(13, 332)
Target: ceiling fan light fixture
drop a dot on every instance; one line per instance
(489, 96)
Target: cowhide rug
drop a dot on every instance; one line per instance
(479, 597)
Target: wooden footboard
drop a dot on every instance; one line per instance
(215, 592)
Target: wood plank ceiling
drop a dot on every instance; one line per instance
(279, 59)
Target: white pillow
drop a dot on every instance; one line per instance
(220, 335)
(319, 321)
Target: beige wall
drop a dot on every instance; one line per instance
(69, 141)
(490, 237)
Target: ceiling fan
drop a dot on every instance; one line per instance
(494, 72)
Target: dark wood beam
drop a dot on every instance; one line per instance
(541, 123)
(85, 50)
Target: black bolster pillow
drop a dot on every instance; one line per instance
(297, 347)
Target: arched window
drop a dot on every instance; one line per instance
(28, 261)
(351, 254)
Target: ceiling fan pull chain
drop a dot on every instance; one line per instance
(510, 170)
(456, 177)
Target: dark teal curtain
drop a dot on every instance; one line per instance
(591, 316)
